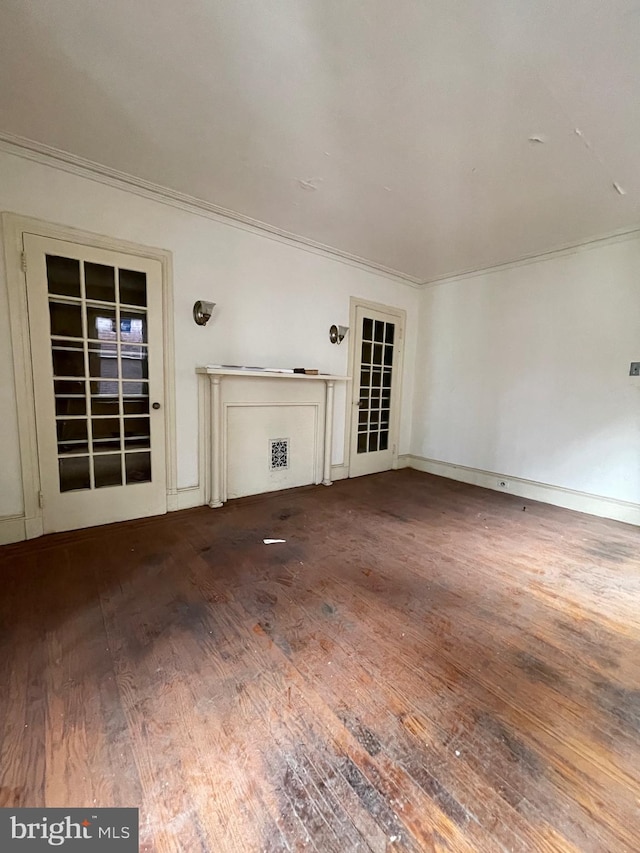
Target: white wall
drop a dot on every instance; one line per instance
(524, 371)
(520, 371)
(275, 301)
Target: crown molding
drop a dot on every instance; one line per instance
(47, 155)
(29, 149)
(565, 249)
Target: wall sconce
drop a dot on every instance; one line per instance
(337, 333)
(202, 312)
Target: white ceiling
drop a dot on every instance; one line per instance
(394, 130)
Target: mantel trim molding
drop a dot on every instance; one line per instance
(213, 405)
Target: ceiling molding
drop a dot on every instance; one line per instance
(558, 252)
(49, 156)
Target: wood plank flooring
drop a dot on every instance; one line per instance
(421, 666)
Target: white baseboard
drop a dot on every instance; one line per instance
(189, 497)
(339, 472)
(404, 460)
(557, 495)
(12, 529)
(17, 528)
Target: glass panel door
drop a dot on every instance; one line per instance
(96, 336)
(99, 350)
(377, 360)
(376, 375)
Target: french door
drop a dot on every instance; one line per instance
(95, 321)
(375, 370)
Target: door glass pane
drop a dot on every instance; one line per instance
(133, 288)
(101, 323)
(133, 326)
(70, 405)
(63, 276)
(106, 434)
(376, 370)
(105, 404)
(70, 397)
(137, 433)
(138, 467)
(103, 361)
(107, 387)
(107, 470)
(99, 282)
(134, 362)
(67, 360)
(135, 394)
(69, 387)
(100, 353)
(137, 351)
(136, 405)
(74, 473)
(66, 319)
(72, 435)
(134, 388)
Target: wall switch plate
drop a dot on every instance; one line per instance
(634, 370)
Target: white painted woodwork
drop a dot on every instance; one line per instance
(372, 462)
(626, 511)
(482, 369)
(328, 432)
(248, 431)
(248, 409)
(263, 315)
(395, 130)
(69, 510)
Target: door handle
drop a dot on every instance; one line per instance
(155, 405)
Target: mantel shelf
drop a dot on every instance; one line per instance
(269, 374)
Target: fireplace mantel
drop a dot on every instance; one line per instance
(233, 390)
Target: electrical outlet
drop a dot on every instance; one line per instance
(634, 370)
(503, 484)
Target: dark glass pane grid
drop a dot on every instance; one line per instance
(376, 373)
(99, 353)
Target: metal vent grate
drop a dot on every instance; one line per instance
(279, 453)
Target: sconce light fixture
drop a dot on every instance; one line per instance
(202, 312)
(337, 333)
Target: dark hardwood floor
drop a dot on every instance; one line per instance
(422, 666)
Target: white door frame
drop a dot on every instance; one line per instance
(13, 227)
(353, 386)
